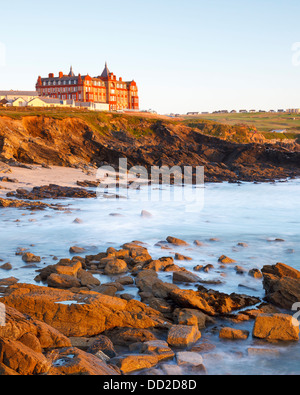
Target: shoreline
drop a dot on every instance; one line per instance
(189, 322)
(27, 177)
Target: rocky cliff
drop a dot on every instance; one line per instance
(74, 141)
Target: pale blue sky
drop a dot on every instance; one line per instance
(190, 55)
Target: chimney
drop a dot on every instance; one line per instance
(51, 75)
(60, 74)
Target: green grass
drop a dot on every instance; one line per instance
(233, 127)
(262, 122)
(103, 122)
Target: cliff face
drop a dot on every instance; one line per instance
(74, 141)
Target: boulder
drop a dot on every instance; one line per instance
(193, 317)
(64, 266)
(76, 250)
(6, 266)
(5, 371)
(68, 267)
(211, 302)
(159, 348)
(240, 270)
(72, 361)
(134, 363)
(183, 335)
(126, 280)
(185, 277)
(127, 336)
(22, 359)
(106, 289)
(28, 257)
(159, 304)
(256, 273)
(282, 285)
(31, 341)
(176, 242)
(62, 281)
(159, 264)
(207, 268)
(226, 260)
(171, 370)
(233, 334)
(8, 281)
(104, 344)
(87, 279)
(198, 268)
(147, 281)
(137, 253)
(199, 243)
(282, 270)
(276, 327)
(180, 257)
(18, 327)
(85, 313)
(188, 359)
(116, 266)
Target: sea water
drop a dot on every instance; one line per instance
(255, 214)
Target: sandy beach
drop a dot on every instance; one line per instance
(36, 176)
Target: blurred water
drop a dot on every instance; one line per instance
(255, 214)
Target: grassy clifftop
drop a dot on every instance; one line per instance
(262, 122)
(139, 124)
(67, 137)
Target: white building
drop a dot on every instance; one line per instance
(14, 95)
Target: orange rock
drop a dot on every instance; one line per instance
(282, 285)
(226, 260)
(183, 335)
(185, 277)
(70, 269)
(21, 358)
(133, 363)
(180, 257)
(72, 361)
(81, 314)
(31, 341)
(211, 302)
(63, 281)
(28, 257)
(18, 325)
(276, 327)
(5, 371)
(283, 270)
(193, 317)
(233, 334)
(177, 242)
(116, 266)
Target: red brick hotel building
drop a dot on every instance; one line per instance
(119, 94)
